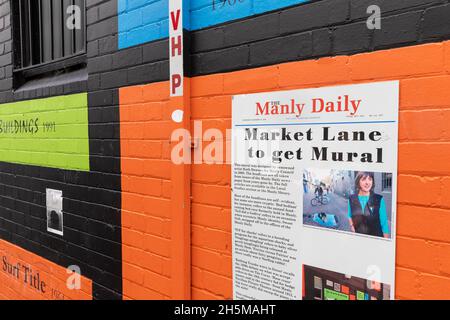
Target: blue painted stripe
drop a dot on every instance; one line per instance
(142, 21)
(209, 15)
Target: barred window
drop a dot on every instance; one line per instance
(387, 181)
(49, 35)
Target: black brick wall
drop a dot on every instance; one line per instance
(317, 29)
(92, 201)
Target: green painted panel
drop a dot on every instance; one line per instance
(50, 132)
(359, 295)
(333, 295)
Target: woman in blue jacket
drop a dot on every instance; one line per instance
(367, 209)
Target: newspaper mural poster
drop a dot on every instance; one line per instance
(314, 176)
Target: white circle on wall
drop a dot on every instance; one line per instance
(177, 116)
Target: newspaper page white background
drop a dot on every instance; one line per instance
(275, 173)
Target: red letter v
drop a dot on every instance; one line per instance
(175, 20)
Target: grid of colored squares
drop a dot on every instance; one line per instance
(336, 291)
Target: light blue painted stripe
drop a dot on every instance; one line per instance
(137, 18)
(261, 6)
(121, 6)
(203, 14)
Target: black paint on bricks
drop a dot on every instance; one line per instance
(339, 27)
(91, 200)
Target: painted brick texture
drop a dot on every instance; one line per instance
(142, 21)
(91, 191)
(146, 192)
(423, 256)
(314, 30)
(52, 278)
(120, 213)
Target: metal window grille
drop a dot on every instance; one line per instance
(41, 34)
(387, 181)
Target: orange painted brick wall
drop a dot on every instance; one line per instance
(423, 219)
(17, 287)
(146, 191)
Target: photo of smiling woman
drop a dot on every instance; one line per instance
(367, 209)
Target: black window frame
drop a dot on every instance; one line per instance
(65, 62)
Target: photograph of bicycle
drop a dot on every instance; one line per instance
(351, 201)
